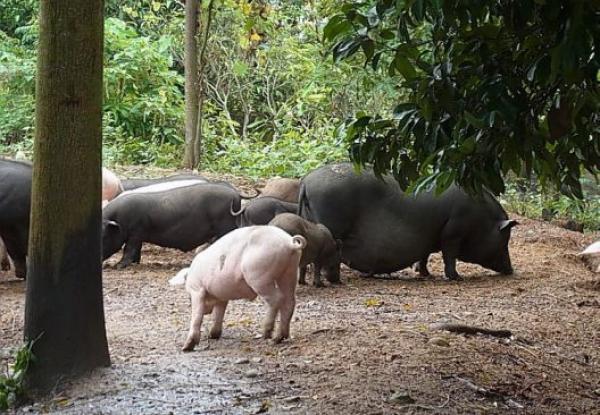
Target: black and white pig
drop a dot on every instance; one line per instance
(173, 215)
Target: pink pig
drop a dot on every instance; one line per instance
(245, 263)
(111, 186)
(591, 255)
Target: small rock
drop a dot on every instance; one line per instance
(401, 397)
(291, 399)
(242, 361)
(256, 359)
(251, 373)
(439, 341)
(597, 391)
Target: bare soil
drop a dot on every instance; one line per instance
(364, 347)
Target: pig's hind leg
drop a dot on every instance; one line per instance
(266, 289)
(218, 314)
(198, 308)
(287, 286)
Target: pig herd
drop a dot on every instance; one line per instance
(261, 245)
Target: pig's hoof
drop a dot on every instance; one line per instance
(454, 277)
(189, 346)
(267, 334)
(121, 265)
(214, 334)
(279, 338)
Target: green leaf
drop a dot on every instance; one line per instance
(362, 121)
(468, 146)
(387, 34)
(375, 60)
(403, 65)
(474, 121)
(337, 25)
(240, 68)
(368, 47)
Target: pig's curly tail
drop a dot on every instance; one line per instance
(298, 242)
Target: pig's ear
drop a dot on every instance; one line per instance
(507, 224)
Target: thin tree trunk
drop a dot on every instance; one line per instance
(64, 308)
(192, 85)
(200, 101)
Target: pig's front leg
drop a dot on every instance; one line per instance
(302, 279)
(131, 253)
(218, 314)
(198, 307)
(421, 267)
(317, 276)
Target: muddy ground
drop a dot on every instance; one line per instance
(365, 347)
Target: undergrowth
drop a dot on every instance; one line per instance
(548, 205)
(11, 381)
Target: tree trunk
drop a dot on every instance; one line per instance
(192, 85)
(64, 308)
(201, 96)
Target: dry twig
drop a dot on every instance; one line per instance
(465, 329)
(489, 393)
(427, 407)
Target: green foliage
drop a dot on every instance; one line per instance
(536, 205)
(268, 84)
(15, 14)
(143, 103)
(17, 84)
(11, 382)
(490, 87)
(291, 155)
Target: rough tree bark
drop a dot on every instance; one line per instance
(64, 308)
(192, 86)
(201, 95)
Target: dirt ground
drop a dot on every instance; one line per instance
(364, 347)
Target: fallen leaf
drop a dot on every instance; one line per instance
(373, 302)
(242, 322)
(402, 397)
(439, 341)
(62, 401)
(264, 407)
